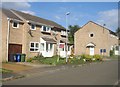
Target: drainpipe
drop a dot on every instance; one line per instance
(8, 30)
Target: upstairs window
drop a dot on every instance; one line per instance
(91, 35)
(63, 33)
(33, 27)
(15, 24)
(46, 29)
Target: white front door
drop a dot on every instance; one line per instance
(91, 50)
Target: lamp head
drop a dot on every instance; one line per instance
(67, 13)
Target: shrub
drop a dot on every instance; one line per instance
(87, 57)
(76, 61)
(29, 60)
(111, 52)
(97, 57)
(78, 57)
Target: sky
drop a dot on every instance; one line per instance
(80, 12)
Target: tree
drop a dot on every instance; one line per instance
(118, 32)
(73, 29)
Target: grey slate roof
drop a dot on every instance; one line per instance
(9, 14)
(30, 17)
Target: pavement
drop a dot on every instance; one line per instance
(20, 69)
(103, 73)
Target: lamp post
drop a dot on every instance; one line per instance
(68, 13)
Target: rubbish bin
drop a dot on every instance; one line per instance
(23, 57)
(18, 57)
(12, 58)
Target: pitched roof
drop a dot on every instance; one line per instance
(111, 32)
(9, 14)
(30, 17)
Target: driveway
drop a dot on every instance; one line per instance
(105, 73)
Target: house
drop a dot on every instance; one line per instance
(31, 35)
(93, 38)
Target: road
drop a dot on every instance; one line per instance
(105, 73)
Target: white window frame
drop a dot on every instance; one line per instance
(17, 24)
(46, 29)
(43, 47)
(34, 47)
(90, 35)
(63, 32)
(32, 28)
(49, 50)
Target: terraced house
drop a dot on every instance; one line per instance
(31, 35)
(93, 39)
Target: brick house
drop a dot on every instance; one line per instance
(93, 38)
(31, 35)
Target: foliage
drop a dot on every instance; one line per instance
(97, 57)
(111, 52)
(118, 32)
(29, 60)
(73, 29)
(47, 60)
(76, 61)
(80, 59)
(5, 70)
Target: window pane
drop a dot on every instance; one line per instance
(31, 49)
(44, 28)
(33, 26)
(100, 50)
(42, 46)
(15, 24)
(46, 47)
(104, 50)
(91, 35)
(51, 46)
(36, 49)
(62, 49)
(68, 48)
(32, 44)
(37, 45)
(117, 48)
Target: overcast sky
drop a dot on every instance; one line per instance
(80, 12)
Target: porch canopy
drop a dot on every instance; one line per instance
(64, 41)
(90, 45)
(49, 40)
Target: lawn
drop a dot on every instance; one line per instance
(2, 70)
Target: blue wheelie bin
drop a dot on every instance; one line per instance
(18, 57)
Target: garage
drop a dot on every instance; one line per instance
(13, 49)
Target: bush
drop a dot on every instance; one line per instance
(76, 61)
(111, 52)
(29, 60)
(87, 57)
(97, 57)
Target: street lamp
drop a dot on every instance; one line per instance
(68, 13)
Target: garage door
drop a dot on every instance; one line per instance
(14, 48)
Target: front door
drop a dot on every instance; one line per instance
(91, 50)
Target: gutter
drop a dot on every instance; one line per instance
(29, 21)
(8, 30)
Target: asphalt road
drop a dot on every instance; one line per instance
(105, 73)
